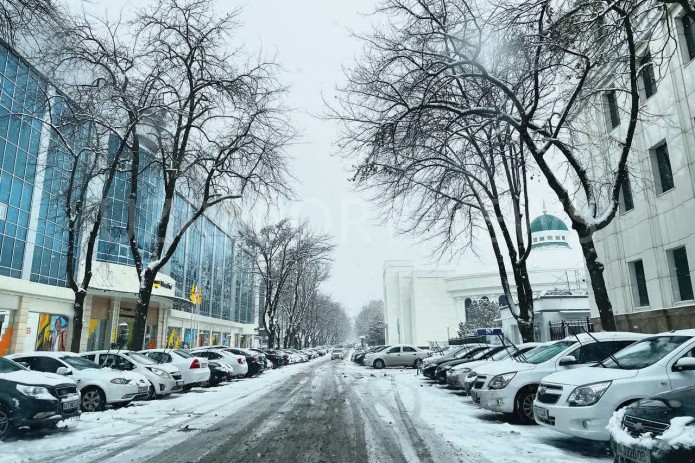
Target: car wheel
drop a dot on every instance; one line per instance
(6, 426)
(379, 364)
(151, 393)
(93, 399)
(523, 406)
(187, 387)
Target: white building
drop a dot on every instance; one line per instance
(425, 307)
(648, 249)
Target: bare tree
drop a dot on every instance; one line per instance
(541, 68)
(18, 17)
(197, 122)
(281, 251)
(308, 276)
(370, 323)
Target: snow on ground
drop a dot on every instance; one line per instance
(149, 426)
(475, 430)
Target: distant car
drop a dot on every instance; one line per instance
(237, 363)
(397, 355)
(337, 354)
(466, 352)
(656, 430)
(161, 377)
(34, 399)
(98, 386)
(194, 370)
(277, 358)
(359, 357)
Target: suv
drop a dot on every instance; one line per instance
(509, 386)
(98, 386)
(30, 398)
(580, 402)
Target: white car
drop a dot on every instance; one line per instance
(194, 370)
(397, 355)
(337, 354)
(580, 402)
(98, 386)
(455, 377)
(509, 386)
(164, 378)
(237, 363)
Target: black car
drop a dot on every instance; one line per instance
(33, 399)
(441, 370)
(647, 420)
(254, 360)
(465, 352)
(218, 373)
(277, 358)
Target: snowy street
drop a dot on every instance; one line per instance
(323, 410)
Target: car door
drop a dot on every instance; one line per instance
(593, 353)
(116, 361)
(408, 356)
(392, 356)
(682, 378)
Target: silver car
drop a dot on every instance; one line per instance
(397, 355)
(337, 354)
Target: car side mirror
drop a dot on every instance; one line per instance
(64, 371)
(685, 364)
(25, 365)
(568, 360)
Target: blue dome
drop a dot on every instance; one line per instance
(547, 222)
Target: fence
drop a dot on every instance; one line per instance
(564, 328)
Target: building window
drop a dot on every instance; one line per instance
(680, 274)
(661, 166)
(557, 238)
(467, 303)
(647, 75)
(610, 103)
(689, 35)
(542, 238)
(626, 201)
(535, 240)
(502, 301)
(639, 283)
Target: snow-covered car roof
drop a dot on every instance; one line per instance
(609, 336)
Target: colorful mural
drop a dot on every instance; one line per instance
(52, 333)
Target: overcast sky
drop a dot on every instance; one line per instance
(312, 41)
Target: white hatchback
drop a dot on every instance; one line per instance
(98, 386)
(164, 378)
(510, 387)
(580, 402)
(194, 370)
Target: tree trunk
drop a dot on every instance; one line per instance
(525, 296)
(77, 323)
(143, 305)
(271, 339)
(598, 284)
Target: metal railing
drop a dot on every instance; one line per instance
(562, 329)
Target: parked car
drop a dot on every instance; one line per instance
(236, 363)
(510, 387)
(254, 360)
(443, 368)
(194, 370)
(219, 372)
(337, 354)
(660, 429)
(34, 399)
(580, 402)
(397, 355)
(98, 386)
(278, 358)
(457, 375)
(161, 377)
(466, 351)
(359, 357)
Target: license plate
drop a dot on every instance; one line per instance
(142, 389)
(540, 412)
(632, 455)
(70, 405)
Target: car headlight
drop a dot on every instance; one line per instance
(472, 374)
(37, 392)
(120, 381)
(584, 396)
(160, 372)
(463, 370)
(501, 381)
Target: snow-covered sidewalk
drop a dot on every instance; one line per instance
(147, 426)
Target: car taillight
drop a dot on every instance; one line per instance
(255, 358)
(287, 356)
(240, 360)
(195, 363)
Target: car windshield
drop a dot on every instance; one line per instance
(8, 366)
(79, 363)
(544, 353)
(503, 354)
(469, 352)
(645, 353)
(141, 359)
(183, 353)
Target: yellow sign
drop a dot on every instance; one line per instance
(192, 296)
(199, 299)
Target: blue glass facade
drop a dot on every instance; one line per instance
(20, 138)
